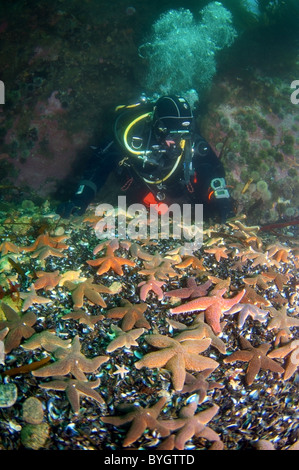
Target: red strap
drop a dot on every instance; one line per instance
(127, 184)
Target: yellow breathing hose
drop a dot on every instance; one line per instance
(144, 152)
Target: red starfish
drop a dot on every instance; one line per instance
(87, 289)
(214, 307)
(151, 285)
(191, 291)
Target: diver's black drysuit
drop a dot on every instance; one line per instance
(167, 174)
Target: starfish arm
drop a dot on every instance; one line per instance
(183, 293)
(155, 359)
(56, 368)
(96, 298)
(116, 266)
(209, 434)
(117, 312)
(185, 434)
(55, 385)
(207, 415)
(253, 369)
(158, 291)
(192, 334)
(157, 407)
(87, 389)
(200, 363)
(173, 424)
(73, 397)
(270, 364)
(136, 430)
(284, 350)
(128, 321)
(212, 317)
(290, 369)
(196, 346)
(243, 356)
(176, 365)
(197, 304)
(95, 262)
(116, 343)
(160, 341)
(15, 336)
(234, 300)
(90, 365)
(105, 266)
(12, 340)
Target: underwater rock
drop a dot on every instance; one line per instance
(8, 395)
(34, 436)
(33, 412)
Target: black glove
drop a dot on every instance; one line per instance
(67, 209)
(225, 209)
(78, 205)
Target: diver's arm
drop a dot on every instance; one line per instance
(100, 164)
(211, 175)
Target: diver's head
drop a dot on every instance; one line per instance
(172, 117)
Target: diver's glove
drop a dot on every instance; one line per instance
(225, 209)
(79, 203)
(67, 209)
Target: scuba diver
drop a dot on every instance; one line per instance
(161, 158)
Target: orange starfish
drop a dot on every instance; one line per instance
(132, 315)
(20, 326)
(191, 424)
(219, 252)
(159, 268)
(190, 261)
(71, 360)
(289, 351)
(46, 240)
(47, 280)
(30, 297)
(74, 389)
(214, 307)
(87, 289)
(177, 356)
(8, 247)
(110, 261)
(141, 419)
(256, 358)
